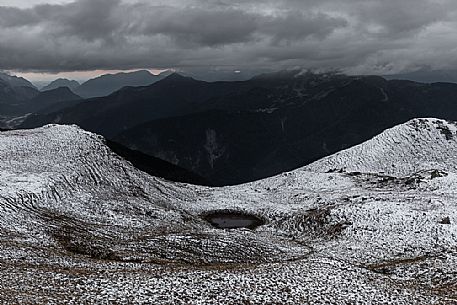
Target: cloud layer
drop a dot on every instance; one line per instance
(359, 36)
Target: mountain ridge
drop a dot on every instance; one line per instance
(61, 82)
(303, 117)
(402, 150)
(107, 84)
(294, 135)
(16, 81)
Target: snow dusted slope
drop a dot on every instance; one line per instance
(58, 181)
(420, 144)
(78, 224)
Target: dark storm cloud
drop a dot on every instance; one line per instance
(15, 17)
(357, 35)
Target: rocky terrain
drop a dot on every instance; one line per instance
(374, 224)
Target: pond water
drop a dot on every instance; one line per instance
(228, 220)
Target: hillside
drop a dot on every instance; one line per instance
(232, 147)
(85, 224)
(54, 99)
(13, 95)
(418, 145)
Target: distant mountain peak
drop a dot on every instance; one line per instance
(61, 82)
(15, 81)
(138, 72)
(175, 76)
(105, 85)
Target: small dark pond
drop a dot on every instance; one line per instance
(233, 220)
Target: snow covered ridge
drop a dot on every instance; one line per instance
(78, 224)
(420, 144)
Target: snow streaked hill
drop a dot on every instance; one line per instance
(420, 144)
(79, 224)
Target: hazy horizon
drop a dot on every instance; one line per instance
(79, 76)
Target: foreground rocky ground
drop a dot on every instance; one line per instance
(371, 225)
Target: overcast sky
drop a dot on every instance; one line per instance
(358, 36)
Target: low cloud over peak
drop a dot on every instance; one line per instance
(360, 36)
